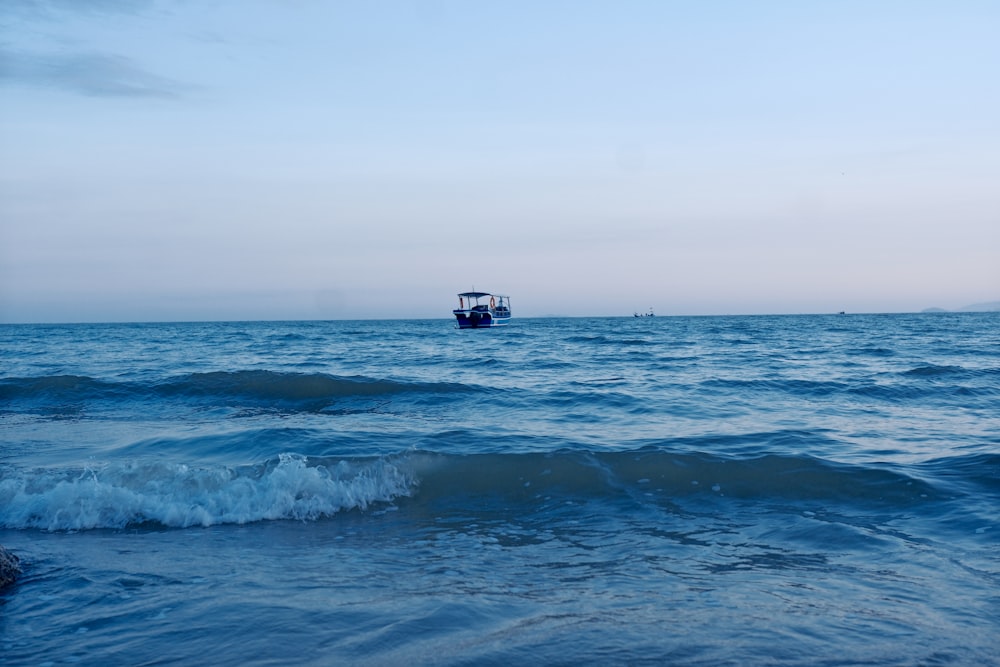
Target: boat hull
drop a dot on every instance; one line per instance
(477, 320)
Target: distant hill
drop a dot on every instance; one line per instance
(988, 307)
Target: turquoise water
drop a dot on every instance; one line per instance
(693, 491)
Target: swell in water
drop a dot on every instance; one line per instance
(300, 488)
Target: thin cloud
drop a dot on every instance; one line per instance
(34, 9)
(88, 73)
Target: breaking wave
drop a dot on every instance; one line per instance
(296, 487)
(178, 495)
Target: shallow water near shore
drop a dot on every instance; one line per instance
(670, 490)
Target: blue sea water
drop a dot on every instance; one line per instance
(789, 490)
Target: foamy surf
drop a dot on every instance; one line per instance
(178, 495)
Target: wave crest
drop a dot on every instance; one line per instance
(293, 486)
(179, 496)
(666, 474)
(306, 391)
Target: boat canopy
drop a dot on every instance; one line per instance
(475, 295)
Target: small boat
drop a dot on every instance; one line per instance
(493, 312)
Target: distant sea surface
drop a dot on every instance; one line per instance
(791, 490)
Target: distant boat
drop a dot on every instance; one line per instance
(649, 314)
(494, 312)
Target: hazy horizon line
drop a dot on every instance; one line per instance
(995, 308)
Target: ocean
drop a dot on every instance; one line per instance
(786, 490)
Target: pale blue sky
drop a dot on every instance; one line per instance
(266, 159)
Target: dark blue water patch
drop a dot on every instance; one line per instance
(234, 447)
(639, 342)
(921, 385)
(677, 358)
(739, 342)
(872, 351)
(922, 392)
(973, 473)
(951, 372)
(492, 436)
(820, 443)
(57, 388)
(58, 397)
(281, 386)
(311, 392)
(290, 337)
(605, 381)
(795, 387)
(667, 475)
(935, 371)
(591, 399)
(588, 339)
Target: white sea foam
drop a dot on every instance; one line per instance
(178, 495)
